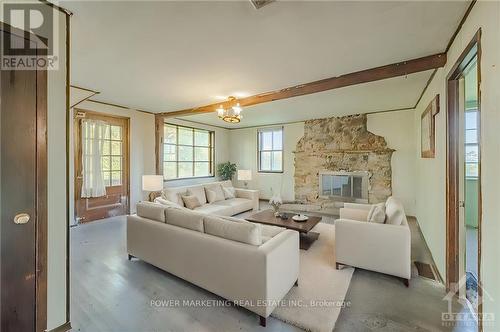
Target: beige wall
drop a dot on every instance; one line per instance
(243, 152)
(431, 173)
(396, 127)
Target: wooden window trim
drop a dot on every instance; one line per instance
(259, 151)
(161, 145)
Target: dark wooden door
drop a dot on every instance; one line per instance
(115, 165)
(23, 197)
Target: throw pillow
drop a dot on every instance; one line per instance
(377, 213)
(229, 192)
(211, 195)
(191, 201)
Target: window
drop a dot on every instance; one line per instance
(270, 154)
(471, 144)
(187, 152)
(112, 156)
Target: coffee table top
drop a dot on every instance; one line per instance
(267, 217)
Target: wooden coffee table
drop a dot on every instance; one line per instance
(307, 237)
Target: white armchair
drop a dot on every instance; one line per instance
(384, 248)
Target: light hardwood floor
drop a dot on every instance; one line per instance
(110, 293)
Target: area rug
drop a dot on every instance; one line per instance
(316, 303)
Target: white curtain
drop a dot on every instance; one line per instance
(93, 134)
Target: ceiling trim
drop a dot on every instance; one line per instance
(462, 21)
(410, 108)
(364, 76)
(120, 106)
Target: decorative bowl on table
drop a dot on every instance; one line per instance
(300, 218)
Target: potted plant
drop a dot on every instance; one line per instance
(226, 170)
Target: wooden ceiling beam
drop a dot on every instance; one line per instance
(369, 75)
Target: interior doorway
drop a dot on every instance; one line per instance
(101, 166)
(463, 237)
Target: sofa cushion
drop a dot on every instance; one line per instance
(191, 201)
(163, 201)
(151, 211)
(377, 213)
(394, 211)
(185, 219)
(217, 188)
(238, 205)
(226, 183)
(174, 195)
(271, 231)
(220, 210)
(241, 231)
(198, 191)
(213, 195)
(229, 192)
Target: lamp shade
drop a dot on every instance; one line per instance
(244, 175)
(152, 182)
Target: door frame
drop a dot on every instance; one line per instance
(453, 147)
(41, 176)
(77, 152)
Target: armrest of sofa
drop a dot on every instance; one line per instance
(249, 194)
(358, 206)
(353, 214)
(378, 247)
(282, 266)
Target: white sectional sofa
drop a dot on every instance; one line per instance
(245, 199)
(381, 247)
(250, 264)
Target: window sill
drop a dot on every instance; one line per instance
(271, 172)
(190, 178)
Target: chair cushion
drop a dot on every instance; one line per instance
(151, 211)
(185, 219)
(377, 213)
(191, 201)
(241, 231)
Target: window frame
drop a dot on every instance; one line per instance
(259, 151)
(211, 156)
(477, 144)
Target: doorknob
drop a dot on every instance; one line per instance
(21, 218)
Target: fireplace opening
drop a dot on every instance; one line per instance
(344, 186)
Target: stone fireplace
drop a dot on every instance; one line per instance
(342, 146)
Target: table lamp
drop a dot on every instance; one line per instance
(152, 183)
(245, 175)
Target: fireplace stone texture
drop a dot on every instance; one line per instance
(341, 144)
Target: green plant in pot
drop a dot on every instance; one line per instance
(226, 170)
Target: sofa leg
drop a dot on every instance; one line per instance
(296, 282)
(337, 266)
(130, 257)
(263, 321)
(406, 282)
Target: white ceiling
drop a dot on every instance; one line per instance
(168, 55)
(391, 94)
